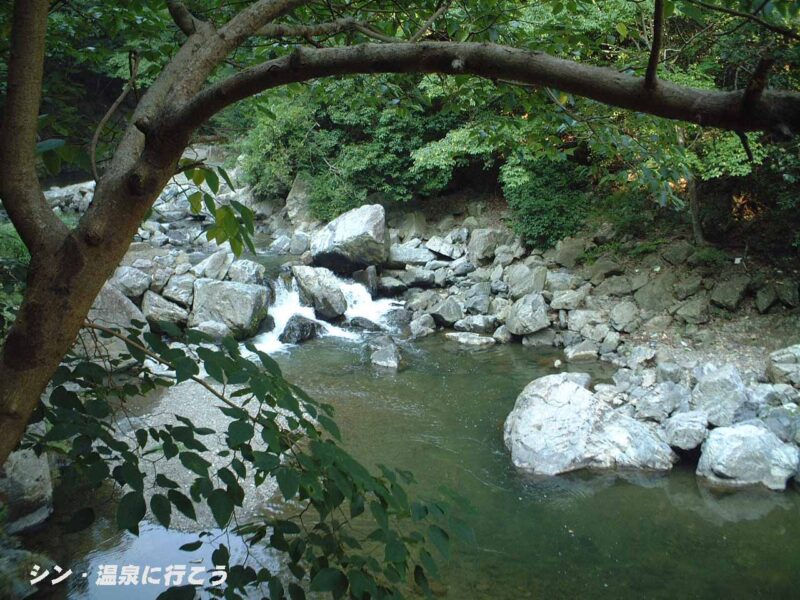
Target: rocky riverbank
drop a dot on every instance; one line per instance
(706, 369)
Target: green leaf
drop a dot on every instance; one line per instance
(622, 30)
(226, 177)
(48, 145)
(288, 482)
(240, 432)
(191, 546)
(440, 539)
(182, 503)
(195, 463)
(162, 509)
(130, 511)
(221, 506)
(212, 179)
(329, 580)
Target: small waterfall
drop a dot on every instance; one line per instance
(287, 304)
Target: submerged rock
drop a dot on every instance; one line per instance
(387, 356)
(558, 425)
(299, 329)
(747, 454)
(352, 241)
(471, 339)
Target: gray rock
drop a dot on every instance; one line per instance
(720, 393)
(26, 491)
(131, 281)
(440, 246)
(558, 426)
(471, 339)
(462, 266)
(765, 297)
(783, 421)
(320, 288)
(111, 309)
(528, 315)
(281, 244)
(401, 255)
(365, 324)
(688, 287)
(617, 285)
(387, 356)
(625, 317)
(417, 277)
(730, 293)
(369, 279)
(477, 300)
(215, 266)
(391, 286)
(568, 251)
(686, 430)
(241, 307)
(413, 225)
(301, 242)
(476, 324)
(247, 271)
(580, 319)
(482, 245)
(502, 335)
(447, 312)
(669, 371)
(155, 309)
(180, 289)
(523, 280)
(569, 299)
(545, 337)
(610, 342)
(694, 311)
(788, 293)
(678, 252)
(747, 454)
(661, 401)
(422, 326)
(583, 351)
(784, 366)
(352, 241)
(555, 280)
(299, 329)
(298, 203)
(603, 268)
(656, 295)
(777, 394)
(214, 329)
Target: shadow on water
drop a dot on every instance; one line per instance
(594, 535)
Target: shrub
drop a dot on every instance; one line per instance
(547, 198)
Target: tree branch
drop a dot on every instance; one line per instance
(774, 111)
(651, 76)
(253, 18)
(131, 83)
(427, 24)
(20, 190)
(758, 82)
(182, 16)
(750, 17)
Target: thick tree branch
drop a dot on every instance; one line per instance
(182, 17)
(748, 16)
(774, 110)
(431, 20)
(253, 18)
(20, 190)
(650, 78)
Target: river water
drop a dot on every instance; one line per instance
(585, 535)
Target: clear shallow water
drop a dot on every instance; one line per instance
(588, 535)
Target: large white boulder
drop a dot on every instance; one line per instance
(558, 426)
(357, 239)
(528, 315)
(720, 393)
(746, 454)
(240, 307)
(321, 289)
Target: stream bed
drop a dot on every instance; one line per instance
(583, 535)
